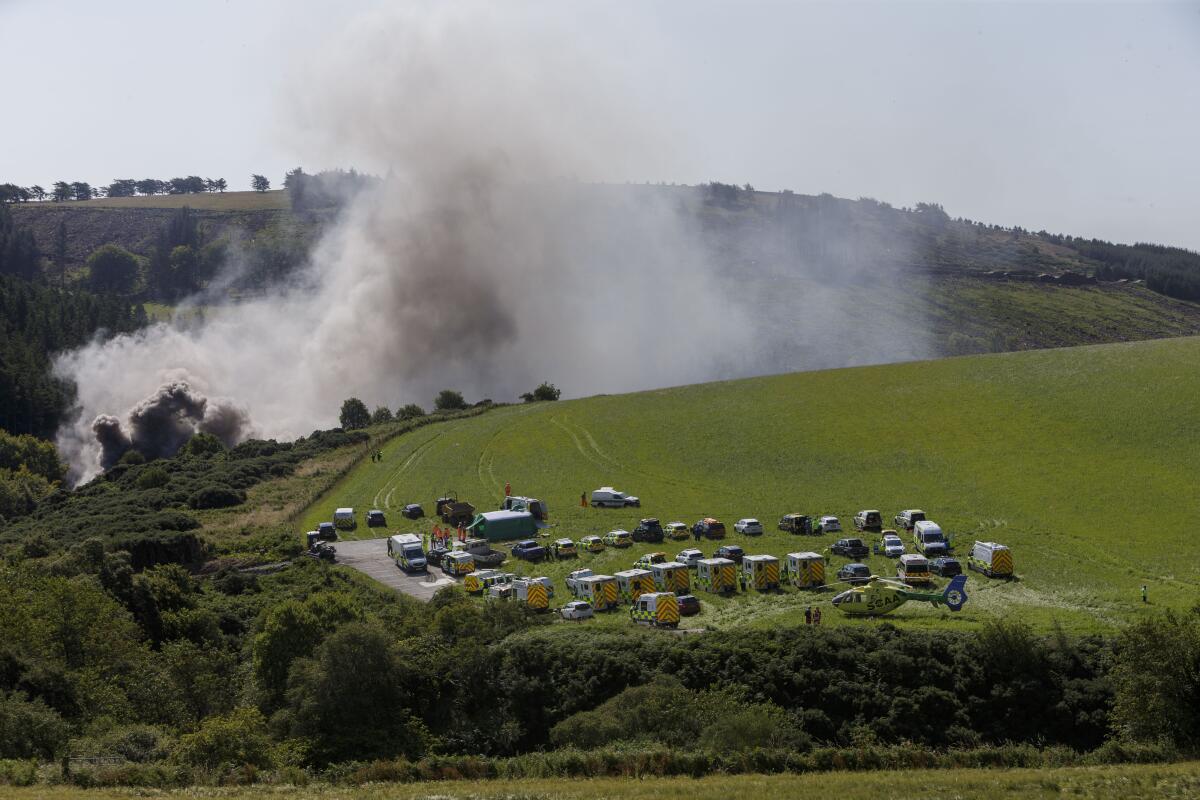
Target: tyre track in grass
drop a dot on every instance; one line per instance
(486, 454)
(413, 458)
(606, 461)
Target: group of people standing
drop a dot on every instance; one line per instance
(812, 616)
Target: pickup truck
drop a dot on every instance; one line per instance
(529, 550)
(851, 548)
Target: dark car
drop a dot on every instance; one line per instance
(689, 606)
(710, 528)
(850, 548)
(413, 511)
(326, 532)
(433, 556)
(529, 550)
(731, 551)
(945, 566)
(796, 523)
(854, 573)
(648, 530)
(376, 519)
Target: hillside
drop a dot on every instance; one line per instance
(1079, 459)
(965, 286)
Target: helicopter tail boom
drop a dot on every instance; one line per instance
(956, 593)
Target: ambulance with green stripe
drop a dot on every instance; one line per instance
(992, 559)
(534, 592)
(671, 577)
(761, 571)
(716, 575)
(598, 590)
(458, 563)
(805, 570)
(656, 609)
(633, 583)
(476, 582)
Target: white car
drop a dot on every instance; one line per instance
(892, 546)
(828, 524)
(749, 526)
(608, 497)
(577, 610)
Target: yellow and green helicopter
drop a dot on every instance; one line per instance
(880, 596)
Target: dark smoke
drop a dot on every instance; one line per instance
(162, 423)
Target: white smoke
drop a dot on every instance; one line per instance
(484, 262)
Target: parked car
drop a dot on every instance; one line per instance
(563, 548)
(677, 530)
(577, 610)
(689, 606)
(648, 530)
(854, 573)
(731, 551)
(689, 557)
(376, 519)
(592, 544)
(650, 558)
(528, 550)
(891, 545)
(905, 520)
(945, 566)
(710, 528)
(413, 511)
(326, 532)
(869, 520)
(748, 527)
(618, 539)
(850, 548)
(796, 523)
(608, 497)
(827, 524)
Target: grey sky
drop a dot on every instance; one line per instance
(1077, 118)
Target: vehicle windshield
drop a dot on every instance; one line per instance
(861, 570)
(932, 536)
(412, 550)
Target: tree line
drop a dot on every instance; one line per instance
(63, 191)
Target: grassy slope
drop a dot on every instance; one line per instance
(216, 201)
(1082, 460)
(1093, 783)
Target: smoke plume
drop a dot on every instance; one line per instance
(487, 261)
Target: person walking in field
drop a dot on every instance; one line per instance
(507, 489)
(583, 499)
(808, 616)
(817, 616)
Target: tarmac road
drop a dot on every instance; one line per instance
(370, 557)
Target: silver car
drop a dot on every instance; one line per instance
(748, 526)
(828, 524)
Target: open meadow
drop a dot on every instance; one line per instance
(1125, 782)
(1082, 460)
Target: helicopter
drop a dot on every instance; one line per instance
(881, 596)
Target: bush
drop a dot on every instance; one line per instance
(354, 414)
(29, 729)
(216, 496)
(152, 478)
(226, 742)
(449, 400)
(381, 415)
(410, 411)
(18, 772)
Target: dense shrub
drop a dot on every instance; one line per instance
(29, 729)
(216, 496)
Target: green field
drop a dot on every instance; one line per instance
(1082, 460)
(209, 201)
(1090, 783)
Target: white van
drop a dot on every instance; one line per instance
(913, 569)
(344, 518)
(608, 497)
(929, 539)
